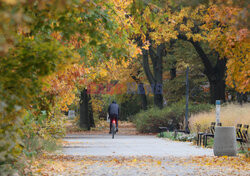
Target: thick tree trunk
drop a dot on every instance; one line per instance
(90, 113)
(215, 74)
(84, 116)
(217, 81)
(158, 100)
(141, 91)
(173, 71)
(156, 59)
(143, 96)
(173, 65)
(155, 79)
(217, 91)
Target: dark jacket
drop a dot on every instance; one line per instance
(113, 109)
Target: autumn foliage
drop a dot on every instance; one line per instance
(51, 50)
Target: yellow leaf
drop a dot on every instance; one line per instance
(208, 164)
(159, 162)
(11, 2)
(38, 170)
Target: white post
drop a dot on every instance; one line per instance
(108, 119)
(217, 112)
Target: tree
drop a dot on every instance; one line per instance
(41, 40)
(84, 110)
(182, 55)
(215, 74)
(21, 73)
(155, 79)
(200, 25)
(186, 24)
(139, 14)
(230, 40)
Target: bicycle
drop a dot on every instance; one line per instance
(113, 129)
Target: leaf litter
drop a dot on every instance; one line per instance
(55, 165)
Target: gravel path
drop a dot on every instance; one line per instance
(99, 155)
(103, 145)
(130, 166)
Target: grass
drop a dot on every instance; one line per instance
(179, 136)
(36, 145)
(168, 135)
(210, 143)
(230, 115)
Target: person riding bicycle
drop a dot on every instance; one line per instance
(113, 111)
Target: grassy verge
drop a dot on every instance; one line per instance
(179, 136)
(230, 115)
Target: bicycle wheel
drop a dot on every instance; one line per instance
(113, 130)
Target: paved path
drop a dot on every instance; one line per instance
(103, 145)
(99, 155)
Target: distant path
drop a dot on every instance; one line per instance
(124, 145)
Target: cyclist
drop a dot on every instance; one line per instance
(113, 111)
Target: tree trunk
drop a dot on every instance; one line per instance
(173, 65)
(141, 91)
(156, 59)
(155, 79)
(217, 81)
(173, 71)
(90, 113)
(84, 116)
(143, 96)
(158, 100)
(217, 91)
(215, 74)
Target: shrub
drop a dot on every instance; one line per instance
(35, 134)
(170, 116)
(230, 115)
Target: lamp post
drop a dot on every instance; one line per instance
(187, 96)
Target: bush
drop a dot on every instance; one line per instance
(170, 116)
(27, 138)
(230, 115)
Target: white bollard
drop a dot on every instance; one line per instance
(225, 141)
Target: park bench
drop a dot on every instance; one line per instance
(205, 135)
(200, 134)
(242, 134)
(238, 132)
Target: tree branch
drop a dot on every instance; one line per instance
(207, 64)
(146, 67)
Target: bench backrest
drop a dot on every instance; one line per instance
(212, 127)
(238, 130)
(245, 132)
